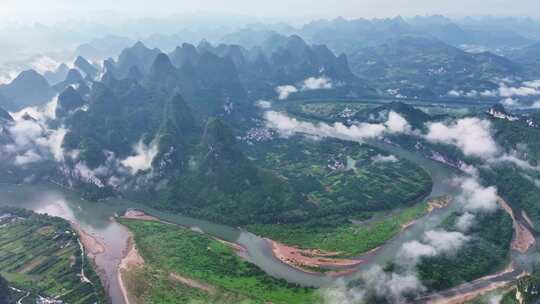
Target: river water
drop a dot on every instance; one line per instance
(95, 218)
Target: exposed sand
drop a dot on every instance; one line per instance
(90, 242)
(523, 238)
(433, 204)
(527, 218)
(193, 283)
(303, 258)
(131, 260)
(439, 202)
(138, 215)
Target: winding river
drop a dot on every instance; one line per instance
(95, 219)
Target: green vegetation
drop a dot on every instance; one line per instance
(518, 135)
(170, 250)
(486, 252)
(161, 288)
(528, 288)
(349, 113)
(338, 182)
(342, 178)
(328, 111)
(40, 255)
(349, 239)
(521, 192)
(222, 185)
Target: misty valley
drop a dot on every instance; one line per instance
(336, 161)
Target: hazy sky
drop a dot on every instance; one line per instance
(31, 10)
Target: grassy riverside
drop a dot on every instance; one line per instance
(40, 255)
(170, 250)
(351, 239)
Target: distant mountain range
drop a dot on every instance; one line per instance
(419, 67)
(419, 58)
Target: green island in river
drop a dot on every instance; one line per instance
(190, 267)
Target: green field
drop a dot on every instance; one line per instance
(342, 178)
(350, 239)
(40, 255)
(341, 181)
(170, 250)
(329, 111)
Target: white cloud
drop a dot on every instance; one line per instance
(510, 102)
(434, 242)
(536, 105)
(42, 64)
(264, 104)
(33, 140)
(41, 113)
(384, 159)
(532, 84)
(412, 251)
(514, 159)
(142, 160)
(488, 93)
(285, 91)
(471, 135)
(7, 77)
(475, 197)
(27, 157)
(88, 175)
(377, 283)
(505, 91)
(288, 126)
(54, 143)
(527, 88)
(397, 123)
(455, 93)
(445, 241)
(320, 83)
(465, 222)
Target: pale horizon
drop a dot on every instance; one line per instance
(33, 11)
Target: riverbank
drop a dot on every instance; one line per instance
(186, 266)
(91, 243)
(523, 238)
(306, 259)
(477, 288)
(42, 253)
(318, 261)
(134, 214)
(131, 260)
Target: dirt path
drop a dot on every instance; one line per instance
(193, 283)
(131, 260)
